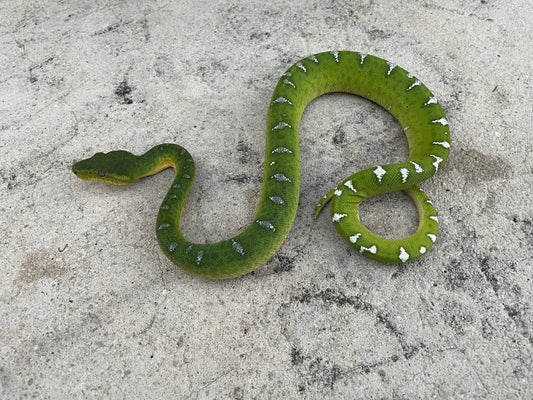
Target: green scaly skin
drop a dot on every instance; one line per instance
(382, 82)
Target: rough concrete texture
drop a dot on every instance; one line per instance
(92, 309)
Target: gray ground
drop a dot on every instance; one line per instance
(91, 308)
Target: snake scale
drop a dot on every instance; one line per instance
(373, 78)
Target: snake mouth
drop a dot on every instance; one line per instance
(81, 173)
(90, 175)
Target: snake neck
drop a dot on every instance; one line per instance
(161, 157)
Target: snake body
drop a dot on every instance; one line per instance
(373, 78)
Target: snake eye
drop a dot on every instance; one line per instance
(101, 173)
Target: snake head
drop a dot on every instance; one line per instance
(116, 167)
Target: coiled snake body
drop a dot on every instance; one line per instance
(373, 78)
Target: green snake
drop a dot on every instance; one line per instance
(373, 78)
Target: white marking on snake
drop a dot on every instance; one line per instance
(431, 100)
(434, 218)
(354, 238)
(186, 176)
(281, 125)
(405, 174)
(165, 207)
(443, 121)
(282, 99)
(266, 224)
(432, 237)
(176, 186)
(404, 256)
(446, 145)
(410, 75)
(280, 178)
(418, 168)
(422, 250)
(338, 192)
(301, 66)
(437, 161)
(415, 83)
(363, 56)
(272, 163)
(287, 82)
(349, 185)
(337, 217)
(286, 73)
(163, 226)
(276, 200)
(391, 67)
(372, 249)
(172, 246)
(199, 257)
(336, 55)
(281, 150)
(379, 172)
(429, 202)
(313, 58)
(237, 247)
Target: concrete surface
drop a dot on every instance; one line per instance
(91, 308)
